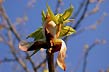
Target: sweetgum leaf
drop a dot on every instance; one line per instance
(67, 13)
(37, 35)
(66, 31)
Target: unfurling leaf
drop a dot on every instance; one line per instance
(43, 16)
(66, 31)
(67, 13)
(51, 14)
(61, 56)
(37, 35)
(57, 18)
(68, 20)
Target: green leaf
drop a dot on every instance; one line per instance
(68, 20)
(66, 31)
(61, 20)
(57, 18)
(67, 13)
(43, 16)
(37, 35)
(50, 12)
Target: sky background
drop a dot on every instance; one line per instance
(98, 57)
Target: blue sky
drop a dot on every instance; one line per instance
(98, 57)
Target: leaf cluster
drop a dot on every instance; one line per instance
(62, 19)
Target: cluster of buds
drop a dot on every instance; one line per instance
(50, 34)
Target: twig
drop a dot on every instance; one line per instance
(79, 9)
(7, 60)
(9, 23)
(82, 16)
(16, 35)
(86, 55)
(41, 63)
(19, 60)
(57, 6)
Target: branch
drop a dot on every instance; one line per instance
(19, 60)
(9, 23)
(57, 6)
(13, 30)
(41, 63)
(7, 60)
(79, 9)
(83, 15)
(92, 26)
(87, 53)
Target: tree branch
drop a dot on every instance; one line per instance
(87, 53)
(83, 15)
(19, 60)
(7, 60)
(41, 63)
(57, 6)
(13, 30)
(79, 9)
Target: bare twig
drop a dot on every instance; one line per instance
(41, 63)
(87, 53)
(79, 9)
(16, 35)
(9, 23)
(92, 26)
(7, 60)
(82, 15)
(19, 60)
(57, 6)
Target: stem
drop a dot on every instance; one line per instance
(50, 59)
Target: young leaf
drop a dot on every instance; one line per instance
(37, 35)
(67, 13)
(57, 18)
(66, 31)
(52, 16)
(61, 20)
(61, 56)
(68, 20)
(43, 16)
